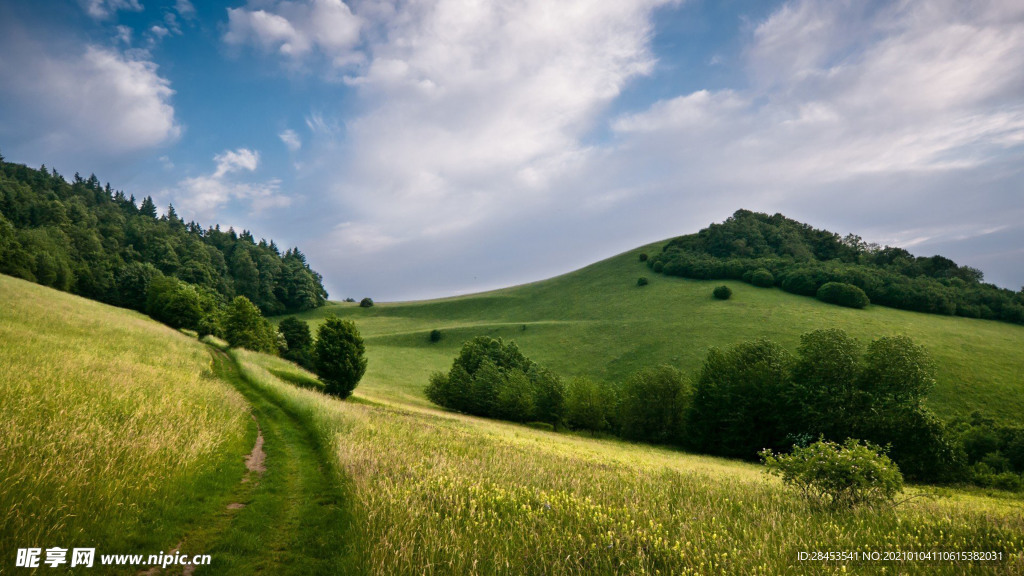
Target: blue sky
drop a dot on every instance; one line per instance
(418, 148)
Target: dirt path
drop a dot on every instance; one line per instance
(287, 515)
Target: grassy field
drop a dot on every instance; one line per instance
(598, 322)
(114, 434)
(440, 493)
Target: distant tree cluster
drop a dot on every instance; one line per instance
(994, 453)
(776, 251)
(494, 379)
(745, 399)
(90, 240)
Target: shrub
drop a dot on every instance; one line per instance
(658, 267)
(762, 278)
(838, 476)
(643, 257)
(435, 335)
(350, 299)
(339, 356)
(843, 294)
(366, 303)
(245, 327)
(641, 281)
(723, 292)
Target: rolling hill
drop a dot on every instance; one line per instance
(597, 322)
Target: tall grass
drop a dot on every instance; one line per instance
(113, 431)
(439, 493)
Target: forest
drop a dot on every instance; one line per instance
(772, 250)
(85, 238)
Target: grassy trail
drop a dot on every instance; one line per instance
(293, 520)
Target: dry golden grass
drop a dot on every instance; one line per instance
(111, 423)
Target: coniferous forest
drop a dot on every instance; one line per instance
(85, 238)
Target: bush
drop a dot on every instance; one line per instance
(366, 303)
(762, 278)
(658, 267)
(843, 294)
(641, 281)
(339, 356)
(723, 293)
(643, 257)
(838, 476)
(435, 335)
(245, 327)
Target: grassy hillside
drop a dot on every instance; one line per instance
(441, 493)
(598, 322)
(113, 431)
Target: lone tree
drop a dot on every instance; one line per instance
(366, 303)
(339, 356)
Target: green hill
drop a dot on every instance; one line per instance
(114, 434)
(597, 322)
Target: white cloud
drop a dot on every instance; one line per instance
(295, 30)
(103, 9)
(478, 110)
(185, 9)
(844, 92)
(98, 99)
(203, 196)
(873, 118)
(231, 161)
(291, 140)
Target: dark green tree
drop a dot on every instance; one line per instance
(654, 405)
(339, 356)
(245, 327)
(739, 401)
(298, 341)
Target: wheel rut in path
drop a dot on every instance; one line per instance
(288, 514)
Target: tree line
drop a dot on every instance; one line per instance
(751, 397)
(93, 241)
(776, 251)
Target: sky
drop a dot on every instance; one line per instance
(422, 148)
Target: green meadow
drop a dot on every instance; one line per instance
(115, 433)
(440, 493)
(597, 322)
(128, 435)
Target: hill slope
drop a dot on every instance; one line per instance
(597, 322)
(113, 432)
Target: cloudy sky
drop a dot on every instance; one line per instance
(417, 148)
